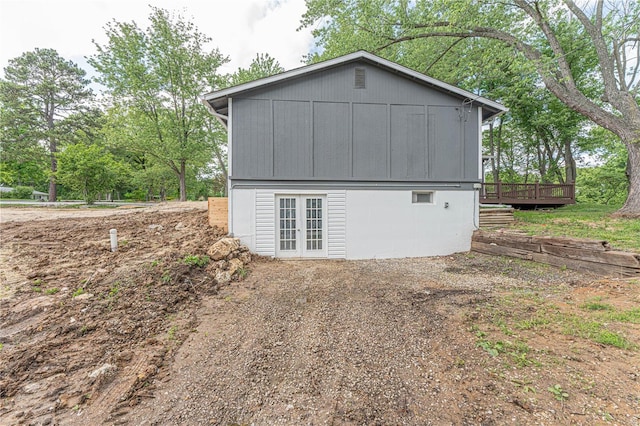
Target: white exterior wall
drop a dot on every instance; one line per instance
(386, 224)
(366, 224)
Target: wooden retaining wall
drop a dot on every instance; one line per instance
(496, 217)
(573, 253)
(219, 212)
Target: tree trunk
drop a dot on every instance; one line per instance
(183, 183)
(632, 205)
(223, 167)
(569, 163)
(496, 176)
(542, 165)
(53, 148)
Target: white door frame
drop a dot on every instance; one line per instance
(301, 225)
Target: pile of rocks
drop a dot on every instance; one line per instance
(228, 259)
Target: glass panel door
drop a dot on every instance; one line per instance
(301, 229)
(288, 240)
(314, 229)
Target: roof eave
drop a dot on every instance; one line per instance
(222, 96)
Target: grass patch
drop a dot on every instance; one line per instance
(517, 312)
(597, 305)
(582, 221)
(593, 330)
(517, 352)
(630, 316)
(195, 260)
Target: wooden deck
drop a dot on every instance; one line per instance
(528, 194)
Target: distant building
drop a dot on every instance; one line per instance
(35, 195)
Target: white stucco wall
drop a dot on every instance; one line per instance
(374, 223)
(386, 224)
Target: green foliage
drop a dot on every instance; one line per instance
(156, 77)
(605, 183)
(171, 334)
(558, 393)
(78, 292)
(113, 291)
(195, 260)
(596, 305)
(262, 65)
(89, 169)
(23, 172)
(18, 193)
(38, 98)
(631, 316)
(52, 290)
(593, 330)
(519, 53)
(243, 272)
(517, 351)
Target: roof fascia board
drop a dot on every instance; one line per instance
(348, 58)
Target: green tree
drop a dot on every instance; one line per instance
(156, 77)
(261, 66)
(536, 30)
(604, 183)
(39, 91)
(89, 170)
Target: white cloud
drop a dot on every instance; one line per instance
(239, 28)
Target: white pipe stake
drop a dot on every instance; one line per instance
(113, 233)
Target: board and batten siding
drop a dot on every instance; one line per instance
(320, 127)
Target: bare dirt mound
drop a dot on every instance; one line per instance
(84, 330)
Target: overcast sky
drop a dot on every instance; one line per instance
(239, 28)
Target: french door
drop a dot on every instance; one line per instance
(301, 230)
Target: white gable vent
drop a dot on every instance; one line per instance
(360, 82)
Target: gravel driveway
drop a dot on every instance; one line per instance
(335, 342)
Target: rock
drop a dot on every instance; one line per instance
(223, 247)
(83, 296)
(63, 400)
(245, 257)
(223, 277)
(179, 226)
(156, 227)
(125, 355)
(234, 265)
(148, 371)
(31, 387)
(106, 369)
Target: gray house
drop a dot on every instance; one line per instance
(355, 157)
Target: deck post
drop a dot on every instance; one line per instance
(536, 194)
(499, 190)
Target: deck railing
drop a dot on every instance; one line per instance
(527, 193)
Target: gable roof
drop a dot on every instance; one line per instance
(218, 101)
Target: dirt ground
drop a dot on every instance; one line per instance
(138, 337)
